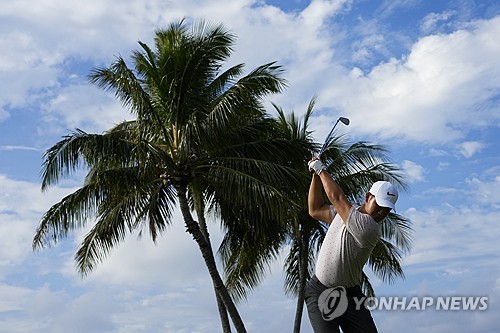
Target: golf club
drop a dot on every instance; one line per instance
(344, 121)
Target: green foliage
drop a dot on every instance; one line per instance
(355, 167)
(206, 129)
(194, 126)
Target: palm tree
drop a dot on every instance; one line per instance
(355, 167)
(201, 139)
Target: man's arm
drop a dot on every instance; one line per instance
(316, 206)
(336, 195)
(333, 191)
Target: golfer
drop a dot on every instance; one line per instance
(353, 233)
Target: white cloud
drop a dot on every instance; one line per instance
(21, 207)
(175, 256)
(486, 192)
(438, 152)
(46, 310)
(37, 48)
(26, 67)
(454, 239)
(443, 166)
(446, 236)
(364, 48)
(456, 271)
(85, 107)
(431, 20)
(10, 148)
(16, 193)
(470, 148)
(389, 6)
(98, 31)
(430, 95)
(318, 11)
(3, 114)
(413, 171)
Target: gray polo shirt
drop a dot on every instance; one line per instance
(346, 248)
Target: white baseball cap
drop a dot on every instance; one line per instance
(385, 194)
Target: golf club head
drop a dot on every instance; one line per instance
(344, 121)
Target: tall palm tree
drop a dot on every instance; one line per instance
(355, 167)
(201, 139)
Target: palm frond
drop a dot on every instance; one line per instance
(366, 286)
(110, 229)
(71, 213)
(247, 258)
(123, 82)
(79, 149)
(128, 205)
(358, 167)
(223, 82)
(399, 229)
(385, 261)
(157, 211)
(245, 181)
(311, 235)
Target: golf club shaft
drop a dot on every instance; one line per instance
(327, 139)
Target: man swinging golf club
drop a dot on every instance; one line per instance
(353, 233)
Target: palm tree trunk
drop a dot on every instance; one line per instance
(194, 229)
(224, 318)
(200, 212)
(303, 255)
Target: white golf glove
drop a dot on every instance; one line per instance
(317, 166)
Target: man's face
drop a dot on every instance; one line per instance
(378, 213)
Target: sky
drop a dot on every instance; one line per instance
(419, 77)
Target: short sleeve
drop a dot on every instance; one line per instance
(333, 212)
(363, 228)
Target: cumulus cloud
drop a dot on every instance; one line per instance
(486, 192)
(431, 94)
(97, 32)
(26, 66)
(133, 261)
(85, 107)
(413, 171)
(469, 148)
(428, 95)
(443, 236)
(21, 207)
(447, 232)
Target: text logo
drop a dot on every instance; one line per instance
(332, 303)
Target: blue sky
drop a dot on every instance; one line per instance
(419, 77)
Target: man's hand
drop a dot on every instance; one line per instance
(315, 165)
